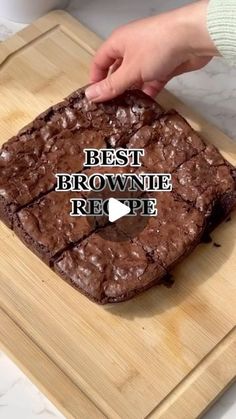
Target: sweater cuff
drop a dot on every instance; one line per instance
(221, 22)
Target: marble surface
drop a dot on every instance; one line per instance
(211, 92)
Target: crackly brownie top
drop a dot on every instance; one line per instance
(172, 232)
(48, 222)
(111, 262)
(55, 140)
(204, 178)
(168, 142)
(106, 268)
(29, 163)
(120, 117)
(130, 110)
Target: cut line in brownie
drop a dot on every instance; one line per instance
(46, 226)
(168, 142)
(88, 255)
(28, 165)
(205, 181)
(120, 117)
(107, 269)
(176, 229)
(55, 140)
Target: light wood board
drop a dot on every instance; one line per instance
(166, 354)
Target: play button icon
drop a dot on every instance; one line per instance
(117, 210)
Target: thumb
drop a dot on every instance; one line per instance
(113, 85)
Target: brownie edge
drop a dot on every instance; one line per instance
(108, 270)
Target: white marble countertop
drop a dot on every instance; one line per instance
(211, 91)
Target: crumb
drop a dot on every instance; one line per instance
(206, 238)
(143, 328)
(216, 244)
(168, 280)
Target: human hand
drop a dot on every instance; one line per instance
(147, 53)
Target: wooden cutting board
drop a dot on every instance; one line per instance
(166, 354)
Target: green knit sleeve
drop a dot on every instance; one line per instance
(221, 21)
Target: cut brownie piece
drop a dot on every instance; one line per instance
(109, 268)
(167, 142)
(28, 165)
(206, 180)
(171, 234)
(47, 227)
(122, 115)
(119, 118)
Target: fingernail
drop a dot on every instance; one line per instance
(92, 92)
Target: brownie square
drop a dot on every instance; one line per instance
(121, 117)
(206, 180)
(109, 268)
(168, 142)
(28, 165)
(170, 235)
(46, 226)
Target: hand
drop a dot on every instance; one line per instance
(147, 53)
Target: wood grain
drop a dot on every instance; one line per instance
(166, 354)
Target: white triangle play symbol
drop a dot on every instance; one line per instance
(116, 209)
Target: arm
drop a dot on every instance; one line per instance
(149, 52)
(221, 21)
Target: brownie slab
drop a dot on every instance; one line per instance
(112, 263)
(109, 268)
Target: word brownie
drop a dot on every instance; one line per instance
(112, 262)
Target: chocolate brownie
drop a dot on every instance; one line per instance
(121, 117)
(28, 165)
(55, 140)
(117, 193)
(46, 226)
(172, 233)
(107, 269)
(110, 263)
(168, 142)
(206, 180)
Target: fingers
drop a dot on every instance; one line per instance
(195, 63)
(105, 57)
(152, 88)
(115, 66)
(99, 68)
(112, 86)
